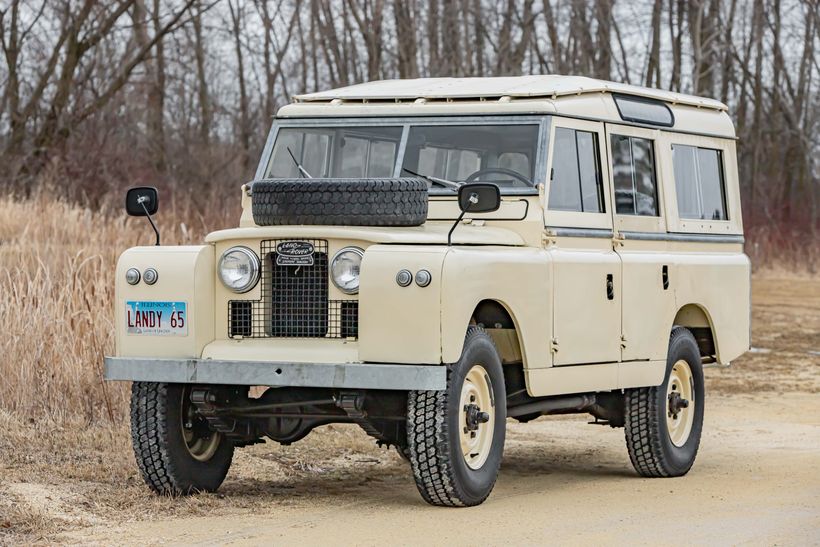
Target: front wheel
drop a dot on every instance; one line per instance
(663, 424)
(176, 451)
(455, 437)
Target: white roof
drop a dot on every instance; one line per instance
(548, 86)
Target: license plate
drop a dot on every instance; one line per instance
(156, 318)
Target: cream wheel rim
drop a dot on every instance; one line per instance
(477, 417)
(201, 448)
(680, 403)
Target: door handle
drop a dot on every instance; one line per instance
(665, 276)
(610, 287)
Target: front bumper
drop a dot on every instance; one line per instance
(265, 373)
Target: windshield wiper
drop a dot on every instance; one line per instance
(302, 171)
(435, 180)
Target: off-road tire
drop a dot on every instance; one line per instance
(647, 439)
(441, 474)
(340, 202)
(159, 447)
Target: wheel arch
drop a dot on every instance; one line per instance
(698, 320)
(501, 324)
(498, 318)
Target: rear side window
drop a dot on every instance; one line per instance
(699, 182)
(633, 171)
(576, 175)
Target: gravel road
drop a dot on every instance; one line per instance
(756, 481)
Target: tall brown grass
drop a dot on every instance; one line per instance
(56, 300)
(56, 295)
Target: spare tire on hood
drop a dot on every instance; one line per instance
(341, 202)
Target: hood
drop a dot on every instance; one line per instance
(430, 233)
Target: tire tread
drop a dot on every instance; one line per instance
(340, 202)
(429, 451)
(642, 428)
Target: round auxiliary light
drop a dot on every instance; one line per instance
(239, 269)
(344, 269)
(423, 278)
(404, 278)
(150, 276)
(132, 276)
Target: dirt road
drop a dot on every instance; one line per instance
(757, 480)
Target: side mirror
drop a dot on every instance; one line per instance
(142, 201)
(480, 197)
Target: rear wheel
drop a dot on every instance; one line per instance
(175, 450)
(663, 424)
(456, 436)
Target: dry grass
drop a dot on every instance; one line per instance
(56, 278)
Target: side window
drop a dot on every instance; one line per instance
(633, 172)
(699, 182)
(576, 175)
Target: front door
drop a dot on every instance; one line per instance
(586, 270)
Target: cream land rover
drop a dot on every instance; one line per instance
(428, 258)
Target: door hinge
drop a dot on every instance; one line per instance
(548, 237)
(618, 240)
(554, 345)
(623, 341)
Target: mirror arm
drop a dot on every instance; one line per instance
(151, 220)
(473, 199)
(450, 233)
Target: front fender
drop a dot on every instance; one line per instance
(400, 324)
(186, 274)
(518, 278)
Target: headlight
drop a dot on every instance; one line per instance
(344, 269)
(239, 269)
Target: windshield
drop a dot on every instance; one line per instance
(478, 152)
(503, 154)
(335, 152)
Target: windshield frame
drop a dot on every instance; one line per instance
(405, 122)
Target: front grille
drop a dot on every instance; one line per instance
(295, 302)
(299, 301)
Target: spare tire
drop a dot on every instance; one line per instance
(341, 202)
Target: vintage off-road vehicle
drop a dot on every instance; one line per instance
(428, 258)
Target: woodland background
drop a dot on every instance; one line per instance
(97, 96)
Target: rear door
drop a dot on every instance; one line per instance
(640, 222)
(586, 306)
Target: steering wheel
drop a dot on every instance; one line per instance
(499, 170)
